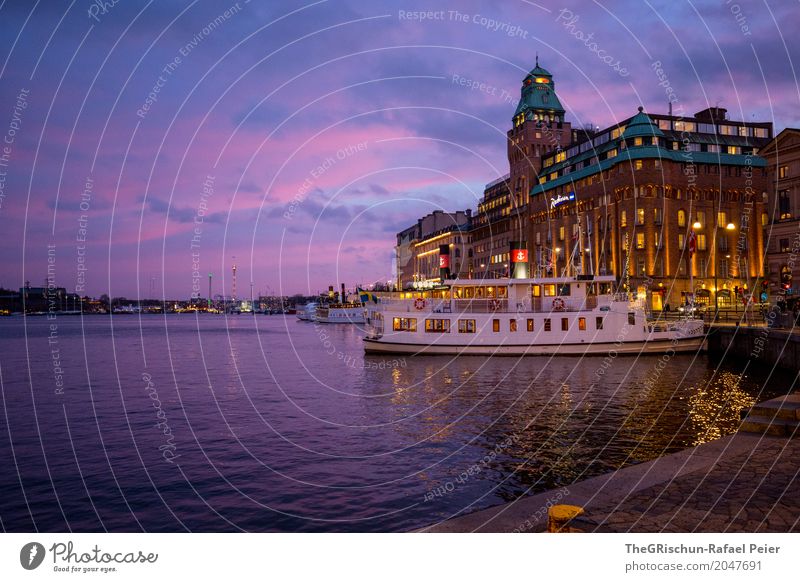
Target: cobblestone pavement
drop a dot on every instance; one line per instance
(754, 491)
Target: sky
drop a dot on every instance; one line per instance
(146, 145)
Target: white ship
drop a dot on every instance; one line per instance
(340, 313)
(307, 312)
(517, 317)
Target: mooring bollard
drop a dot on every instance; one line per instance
(559, 516)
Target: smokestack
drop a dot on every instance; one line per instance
(444, 262)
(519, 260)
(344, 295)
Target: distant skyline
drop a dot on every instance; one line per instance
(150, 142)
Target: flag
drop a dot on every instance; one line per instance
(691, 243)
(366, 296)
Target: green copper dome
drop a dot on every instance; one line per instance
(642, 126)
(538, 94)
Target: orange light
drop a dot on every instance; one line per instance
(542, 80)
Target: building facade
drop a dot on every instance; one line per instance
(417, 252)
(783, 215)
(538, 128)
(636, 198)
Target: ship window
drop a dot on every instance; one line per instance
(598, 323)
(564, 290)
(437, 326)
(466, 326)
(530, 325)
(512, 325)
(502, 291)
(564, 324)
(549, 290)
(547, 324)
(631, 318)
(536, 291)
(404, 324)
(495, 325)
(582, 323)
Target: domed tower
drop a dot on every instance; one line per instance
(539, 128)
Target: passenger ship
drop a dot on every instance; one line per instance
(340, 313)
(516, 317)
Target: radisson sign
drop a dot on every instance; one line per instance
(561, 199)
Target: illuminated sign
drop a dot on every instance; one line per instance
(519, 256)
(444, 261)
(561, 199)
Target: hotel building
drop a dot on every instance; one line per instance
(627, 201)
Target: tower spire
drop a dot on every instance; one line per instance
(537, 58)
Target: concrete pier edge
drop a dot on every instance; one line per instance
(614, 490)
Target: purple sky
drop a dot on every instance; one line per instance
(348, 108)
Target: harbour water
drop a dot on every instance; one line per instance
(265, 423)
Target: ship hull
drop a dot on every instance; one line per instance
(659, 346)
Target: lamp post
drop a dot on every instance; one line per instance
(695, 226)
(730, 227)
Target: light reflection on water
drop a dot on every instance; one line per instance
(287, 426)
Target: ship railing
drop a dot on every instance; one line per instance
(466, 306)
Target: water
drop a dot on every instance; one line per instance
(208, 423)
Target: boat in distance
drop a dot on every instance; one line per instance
(518, 317)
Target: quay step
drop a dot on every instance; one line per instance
(785, 408)
(770, 425)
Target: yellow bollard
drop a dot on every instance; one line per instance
(559, 516)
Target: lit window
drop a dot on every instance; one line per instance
(784, 205)
(582, 323)
(512, 325)
(637, 141)
(561, 233)
(701, 242)
(549, 290)
(681, 218)
(466, 326)
(495, 325)
(639, 240)
(404, 324)
(722, 218)
(623, 218)
(640, 216)
(530, 325)
(638, 164)
(437, 326)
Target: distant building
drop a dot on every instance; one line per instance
(783, 214)
(48, 299)
(417, 249)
